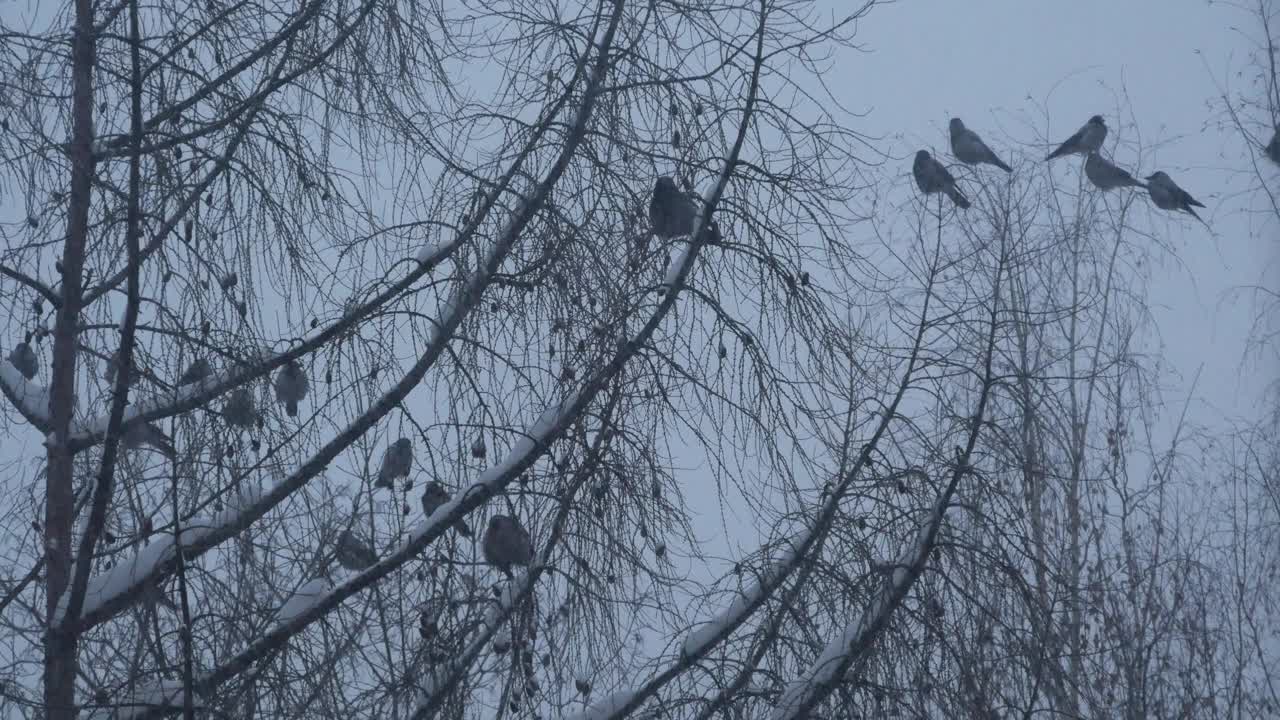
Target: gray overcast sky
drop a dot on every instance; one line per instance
(1020, 71)
(1002, 64)
(1024, 71)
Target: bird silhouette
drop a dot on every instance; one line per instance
(1273, 147)
(932, 177)
(671, 212)
(506, 543)
(1105, 175)
(970, 149)
(24, 359)
(1166, 194)
(436, 495)
(291, 386)
(352, 553)
(1086, 140)
(396, 462)
(197, 371)
(239, 410)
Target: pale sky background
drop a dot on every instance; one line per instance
(1002, 64)
(1020, 71)
(1026, 70)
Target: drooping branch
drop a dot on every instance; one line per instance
(857, 640)
(465, 299)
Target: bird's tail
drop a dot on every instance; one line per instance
(291, 407)
(958, 198)
(1000, 164)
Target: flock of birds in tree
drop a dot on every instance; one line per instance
(968, 147)
(506, 543)
(671, 212)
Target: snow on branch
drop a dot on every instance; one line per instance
(701, 640)
(677, 262)
(30, 399)
(165, 695)
(431, 255)
(303, 599)
(856, 639)
(155, 405)
(116, 583)
(256, 364)
(549, 425)
(455, 310)
(113, 590)
(606, 707)
(440, 678)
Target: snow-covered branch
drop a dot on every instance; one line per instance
(442, 680)
(28, 398)
(857, 639)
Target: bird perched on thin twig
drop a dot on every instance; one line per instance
(507, 543)
(970, 149)
(436, 495)
(291, 386)
(396, 462)
(1086, 140)
(671, 212)
(197, 371)
(352, 553)
(1273, 147)
(24, 359)
(1105, 175)
(932, 177)
(139, 434)
(1166, 194)
(239, 410)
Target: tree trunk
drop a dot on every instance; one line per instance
(60, 653)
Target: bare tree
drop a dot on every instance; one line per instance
(367, 389)
(332, 192)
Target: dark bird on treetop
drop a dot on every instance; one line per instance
(932, 177)
(1166, 194)
(1105, 175)
(970, 149)
(1086, 140)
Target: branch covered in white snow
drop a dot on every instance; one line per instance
(856, 641)
(28, 398)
